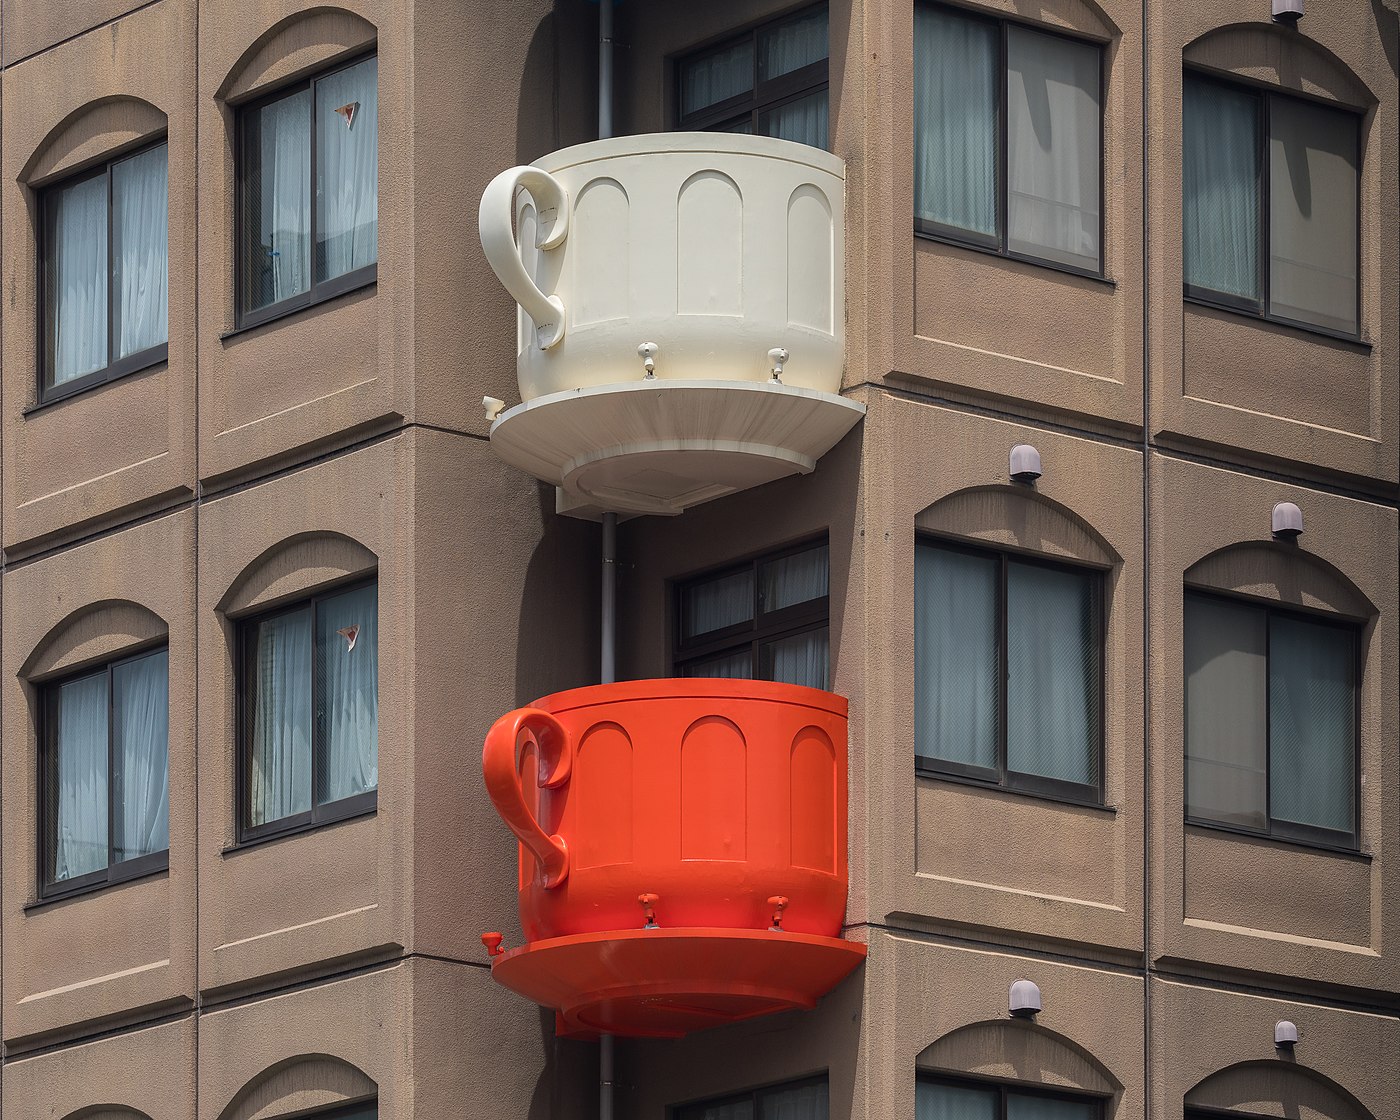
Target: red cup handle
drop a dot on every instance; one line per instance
(500, 763)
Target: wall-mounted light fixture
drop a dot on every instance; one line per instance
(1288, 11)
(1285, 1035)
(1287, 522)
(1025, 996)
(1025, 463)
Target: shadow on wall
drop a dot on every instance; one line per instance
(1279, 1087)
(570, 1068)
(1388, 25)
(536, 123)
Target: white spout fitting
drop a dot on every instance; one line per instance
(647, 351)
(777, 357)
(493, 406)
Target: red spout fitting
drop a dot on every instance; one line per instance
(648, 902)
(779, 903)
(492, 941)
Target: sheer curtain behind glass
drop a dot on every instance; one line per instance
(1052, 148)
(956, 73)
(953, 1102)
(801, 1102)
(347, 170)
(786, 582)
(76, 311)
(1220, 188)
(140, 712)
(1026, 1107)
(140, 197)
(78, 808)
(279, 778)
(717, 77)
(718, 604)
(347, 650)
(277, 201)
(782, 50)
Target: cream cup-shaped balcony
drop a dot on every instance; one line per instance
(682, 315)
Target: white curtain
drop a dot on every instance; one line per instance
(1026, 1107)
(1052, 148)
(804, 121)
(793, 45)
(347, 645)
(805, 1102)
(1052, 680)
(794, 579)
(279, 782)
(1312, 724)
(955, 120)
(278, 224)
(77, 312)
(957, 661)
(719, 603)
(140, 708)
(732, 666)
(717, 77)
(800, 659)
(1220, 188)
(1226, 728)
(80, 818)
(1312, 214)
(347, 169)
(953, 1102)
(140, 192)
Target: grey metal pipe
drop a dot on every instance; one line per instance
(606, 1054)
(608, 651)
(605, 69)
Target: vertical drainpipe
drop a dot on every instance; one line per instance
(1147, 753)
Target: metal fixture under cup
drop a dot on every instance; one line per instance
(1025, 994)
(1288, 11)
(1287, 522)
(1285, 1034)
(1025, 463)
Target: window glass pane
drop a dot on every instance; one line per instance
(718, 603)
(1226, 728)
(794, 579)
(1025, 1107)
(1052, 148)
(277, 201)
(803, 1102)
(347, 170)
(279, 778)
(1312, 214)
(957, 658)
(347, 646)
(800, 659)
(76, 297)
(733, 666)
(140, 189)
(78, 806)
(740, 128)
(729, 1110)
(140, 748)
(1312, 724)
(956, 64)
(1052, 680)
(803, 121)
(953, 1102)
(717, 77)
(792, 45)
(1220, 188)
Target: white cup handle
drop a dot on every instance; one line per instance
(496, 222)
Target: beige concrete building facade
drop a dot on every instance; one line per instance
(313, 951)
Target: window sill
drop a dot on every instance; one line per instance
(1014, 791)
(988, 251)
(352, 812)
(1288, 841)
(1288, 324)
(143, 363)
(115, 878)
(331, 291)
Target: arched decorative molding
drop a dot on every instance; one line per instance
(294, 567)
(106, 1112)
(92, 633)
(296, 46)
(1282, 573)
(300, 1085)
(1276, 1088)
(1015, 1050)
(1017, 518)
(94, 131)
(1085, 17)
(1268, 53)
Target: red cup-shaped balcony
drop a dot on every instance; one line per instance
(683, 851)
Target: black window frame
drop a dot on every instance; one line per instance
(1002, 777)
(764, 626)
(1288, 832)
(761, 97)
(998, 246)
(1258, 309)
(320, 291)
(691, 1109)
(319, 815)
(1003, 1089)
(344, 1110)
(122, 367)
(115, 872)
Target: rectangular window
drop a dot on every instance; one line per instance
(1270, 721)
(311, 712)
(105, 270)
(1008, 136)
(765, 620)
(104, 774)
(1270, 196)
(956, 1100)
(309, 197)
(1008, 671)
(771, 81)
(804, 1100)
